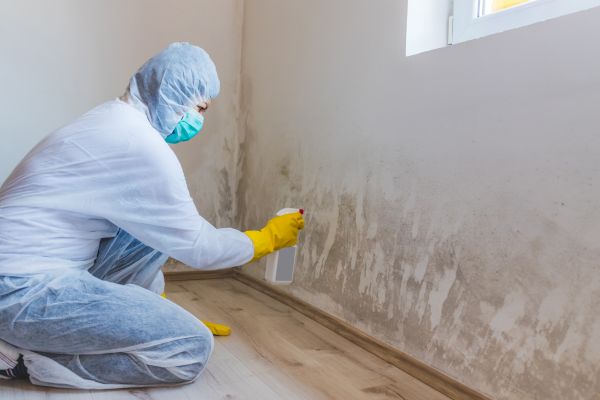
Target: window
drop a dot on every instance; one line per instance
(487, 7)
(477, 18)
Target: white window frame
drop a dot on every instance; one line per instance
(468, 25)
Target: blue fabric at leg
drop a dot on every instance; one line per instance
(124, 259)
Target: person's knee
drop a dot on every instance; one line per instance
(175, 360)
(193, 355)
(180, 345)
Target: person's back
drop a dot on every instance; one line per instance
(52, 213)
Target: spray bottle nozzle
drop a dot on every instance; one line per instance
(301, 211)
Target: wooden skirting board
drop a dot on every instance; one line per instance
(425, 373)
(198, 275)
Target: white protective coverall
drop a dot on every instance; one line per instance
(87, 219)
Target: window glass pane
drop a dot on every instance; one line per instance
(494, 6)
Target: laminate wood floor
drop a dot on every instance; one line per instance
(274, 352)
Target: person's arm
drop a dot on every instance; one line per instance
(135, 181)
(138, 184)
(159, 211)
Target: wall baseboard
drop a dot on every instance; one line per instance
(421, 371)
(198, 275)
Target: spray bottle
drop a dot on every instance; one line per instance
(280, 264)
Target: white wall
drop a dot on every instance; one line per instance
(60, 58)
(452, 196)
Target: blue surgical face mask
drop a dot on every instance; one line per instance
(189, 126)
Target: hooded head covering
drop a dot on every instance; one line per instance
(170, 83)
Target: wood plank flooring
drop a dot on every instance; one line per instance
(274, 352)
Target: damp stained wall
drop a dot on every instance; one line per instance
(452, 197)
(60, 58)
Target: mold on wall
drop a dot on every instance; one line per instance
(451, 197)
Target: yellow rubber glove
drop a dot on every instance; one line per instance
(279, 232)
(216, 329)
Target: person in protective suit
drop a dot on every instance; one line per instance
(88, 218)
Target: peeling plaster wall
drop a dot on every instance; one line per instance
(452, 197)
(68, 56)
